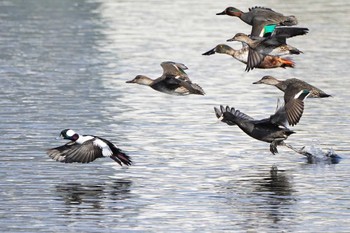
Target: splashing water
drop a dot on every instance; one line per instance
(317, 155)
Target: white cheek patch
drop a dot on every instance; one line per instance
(106, 151)
(70, 133)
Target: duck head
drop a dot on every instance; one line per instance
(269, 80)
(220, 48)
(69, 135)
(240, 37)
(141, 79)
(231, 11)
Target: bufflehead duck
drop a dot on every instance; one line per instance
(86, 148)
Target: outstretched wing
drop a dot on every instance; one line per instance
(294, 104)
(174, 69)
(254, 59)
(74, 152)
(283, 32)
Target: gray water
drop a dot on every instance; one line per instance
(64, 65)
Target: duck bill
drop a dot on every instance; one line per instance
(59, 137)
(232, 39)
(221, 13)
(210, 52)
(257, 82)
(130, 81)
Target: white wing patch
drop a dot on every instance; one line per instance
(83, 139)
(298, 94)
(106, 151)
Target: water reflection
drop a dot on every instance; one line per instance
(278, 192)
(93, 195)
(267, 194)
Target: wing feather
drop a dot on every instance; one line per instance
(74, 152)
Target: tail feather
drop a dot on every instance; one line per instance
(324, 95)
(121, 158)
(230, 115)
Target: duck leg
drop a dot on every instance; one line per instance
(299, 151)
(273, 147)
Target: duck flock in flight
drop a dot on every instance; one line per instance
(264, 48)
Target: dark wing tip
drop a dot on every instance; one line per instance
(121, 158)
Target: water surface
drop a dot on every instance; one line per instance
(64, 65)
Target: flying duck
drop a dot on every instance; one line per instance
(174, 80)
(272, 129)
(86, 148)
(293, 85)
(258, 17)
(242, 56)
(273, 44)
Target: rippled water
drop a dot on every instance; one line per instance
(64, 65)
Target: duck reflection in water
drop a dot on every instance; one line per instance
(78, 194)
(268, 194)
(277, 183)
(277, 190)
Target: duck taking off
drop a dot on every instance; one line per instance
(174, 80)
(86, 148)
(272, 129)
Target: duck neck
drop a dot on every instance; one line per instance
(245, 17)
(145, 81)
(281, 85)
(227, 50)
(247, 40)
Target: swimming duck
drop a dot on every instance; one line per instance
(86, 148)
(173, 81)
(258, 17)
(272, 129)
(242, 56)
(292, 86)
(274, 44)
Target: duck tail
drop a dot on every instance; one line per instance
(196, 89)
(230, 115)
(121, 158)
(324, 95)
(287, 62)
(226, 115)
